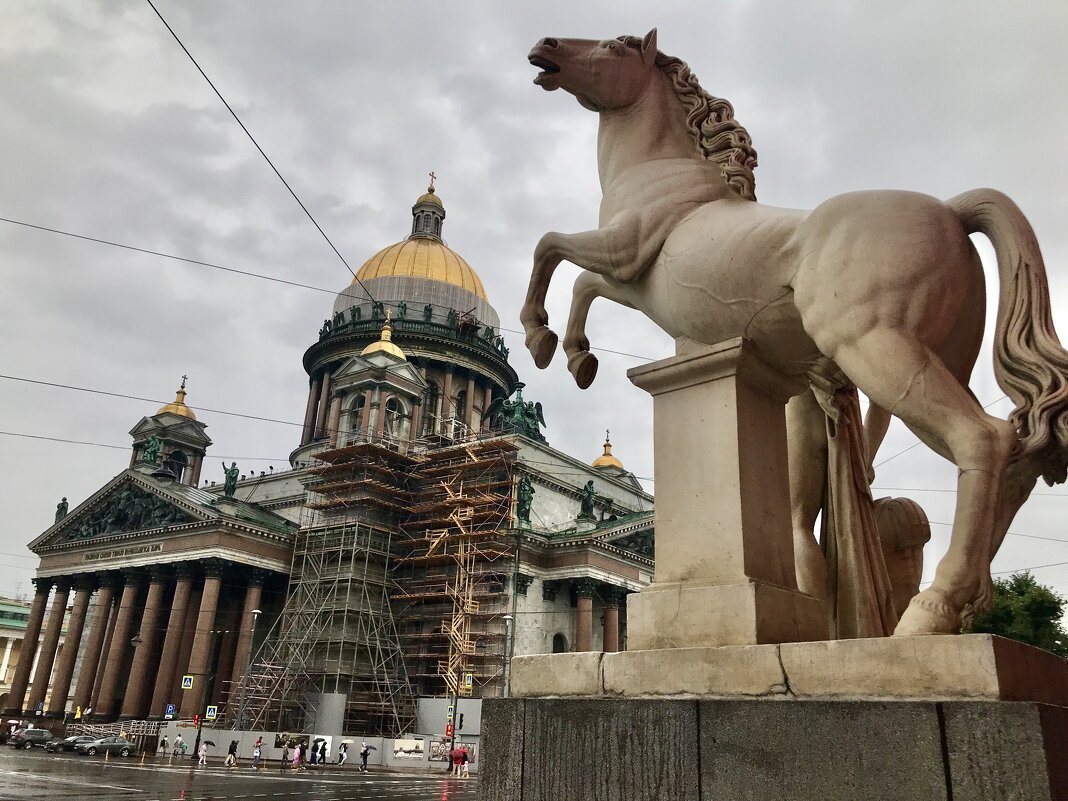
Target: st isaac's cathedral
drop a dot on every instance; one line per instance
(425, 533)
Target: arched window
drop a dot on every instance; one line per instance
(460, 404)
(176, 462)
(394, 418)
(560, 644)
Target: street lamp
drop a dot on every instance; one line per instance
(506, 657)
(244, 676)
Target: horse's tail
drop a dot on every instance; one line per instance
(1030, 365)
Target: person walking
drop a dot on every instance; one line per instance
(322, 753)
(364, 753)
(163, 745)
(285, 754)
(456, 755)
(314, 754)
(231, 755)
(342, 754)
(179, 745)
(464, 760)
(296, 756)
(203, 754)
(256, 753)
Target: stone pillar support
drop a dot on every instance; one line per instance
(120, 642)
(253, 595)
(133, 700)
(612, 596)
(416, 423)
(105, 598)
(469, 404)
(200, 656)
(324, 399)
(84, 586)
(724, 548)
(584, 615)
(172, 642)
(334, 421)
(47, 658)
(309, 412)
(487, 399)
(20, 681)
(446, 399)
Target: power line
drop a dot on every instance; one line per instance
(63, 440)
(1010, 533)
(928, 489)
(247, 273)
(257, 145)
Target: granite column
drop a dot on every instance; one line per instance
(133, 700)
(21, 679)
(83, 692)
(52, 633)
(584, 615)
(172, 642)
(200, 656)
(84, 586)
(120, 642)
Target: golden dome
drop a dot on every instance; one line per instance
(430, 197)
(422, 258)
(607, 459)
(385, 343)
(179, 407)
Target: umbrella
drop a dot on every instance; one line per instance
(209, 742)
(13, 721)
(347, 742)
(372, 748)
(319, 740)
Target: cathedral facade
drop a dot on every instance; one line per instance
(425, 533)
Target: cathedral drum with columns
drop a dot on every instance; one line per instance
(425, 534)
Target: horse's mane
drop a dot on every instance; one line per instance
(718, 136)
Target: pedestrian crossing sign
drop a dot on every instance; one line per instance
(211, 712)
(187, 682)
(469, 680)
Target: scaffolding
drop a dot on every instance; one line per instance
(398, 585)
(453, 578)
(336, 634)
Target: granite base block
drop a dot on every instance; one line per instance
(598, 749)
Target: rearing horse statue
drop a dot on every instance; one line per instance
(881, 290)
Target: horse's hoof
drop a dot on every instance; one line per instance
(928, 613)
(583, 365)
(541, 342)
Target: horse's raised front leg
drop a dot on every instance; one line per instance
(613, 250)
(588, 287)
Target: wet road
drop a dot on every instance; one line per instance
(39, 775)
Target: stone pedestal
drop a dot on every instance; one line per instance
(724, 548)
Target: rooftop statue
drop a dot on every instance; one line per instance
(519, 416)
(230, 479)
(880, 291)
(150, 453)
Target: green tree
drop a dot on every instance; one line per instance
(1027, 611)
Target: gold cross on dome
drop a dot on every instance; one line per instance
(184, 379)
(433, 177)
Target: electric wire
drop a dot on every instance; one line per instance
(249, 273)
(257, 145)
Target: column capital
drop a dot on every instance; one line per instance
(522, 583)
(186, 571)
(64, 583)
(42, 584)
(549, 589)
(132, 576)
(257, 576)
(213, 568)
(612, 595)
(160, 574)
(584, 587)
(85, 582)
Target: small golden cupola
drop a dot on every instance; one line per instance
(179, 407)
(385, 344)
(607, 459)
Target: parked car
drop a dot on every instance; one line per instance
(29, 738)
(109, 745)
(68, 743)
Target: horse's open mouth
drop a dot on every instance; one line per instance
(547, 68)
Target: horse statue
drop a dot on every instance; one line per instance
(878, 290)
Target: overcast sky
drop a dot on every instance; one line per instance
(108, 131)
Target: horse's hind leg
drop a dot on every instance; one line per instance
(806, 439)
(907, 379)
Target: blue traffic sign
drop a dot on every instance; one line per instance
(169, 714)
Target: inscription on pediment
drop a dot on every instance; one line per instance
(130, 509)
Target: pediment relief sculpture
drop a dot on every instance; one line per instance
(129, 509)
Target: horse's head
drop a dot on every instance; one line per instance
(602, 75)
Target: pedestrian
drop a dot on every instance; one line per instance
(464, 759)
(296, 756)
(285, 754)
(184, 746)
(179, 743)
(322, 753)
(364, 753)
(231, 755)
(456, 755)
(314, 754)
(256, 753)
(342, 754)
(203, 754)
(163, 745)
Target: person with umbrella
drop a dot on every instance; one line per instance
(203, 753)
(322, 753)
(342, 752)
(231, 755)
(364, 753)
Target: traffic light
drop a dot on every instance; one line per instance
(460, 723)
(448, 730)
(196, 720)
